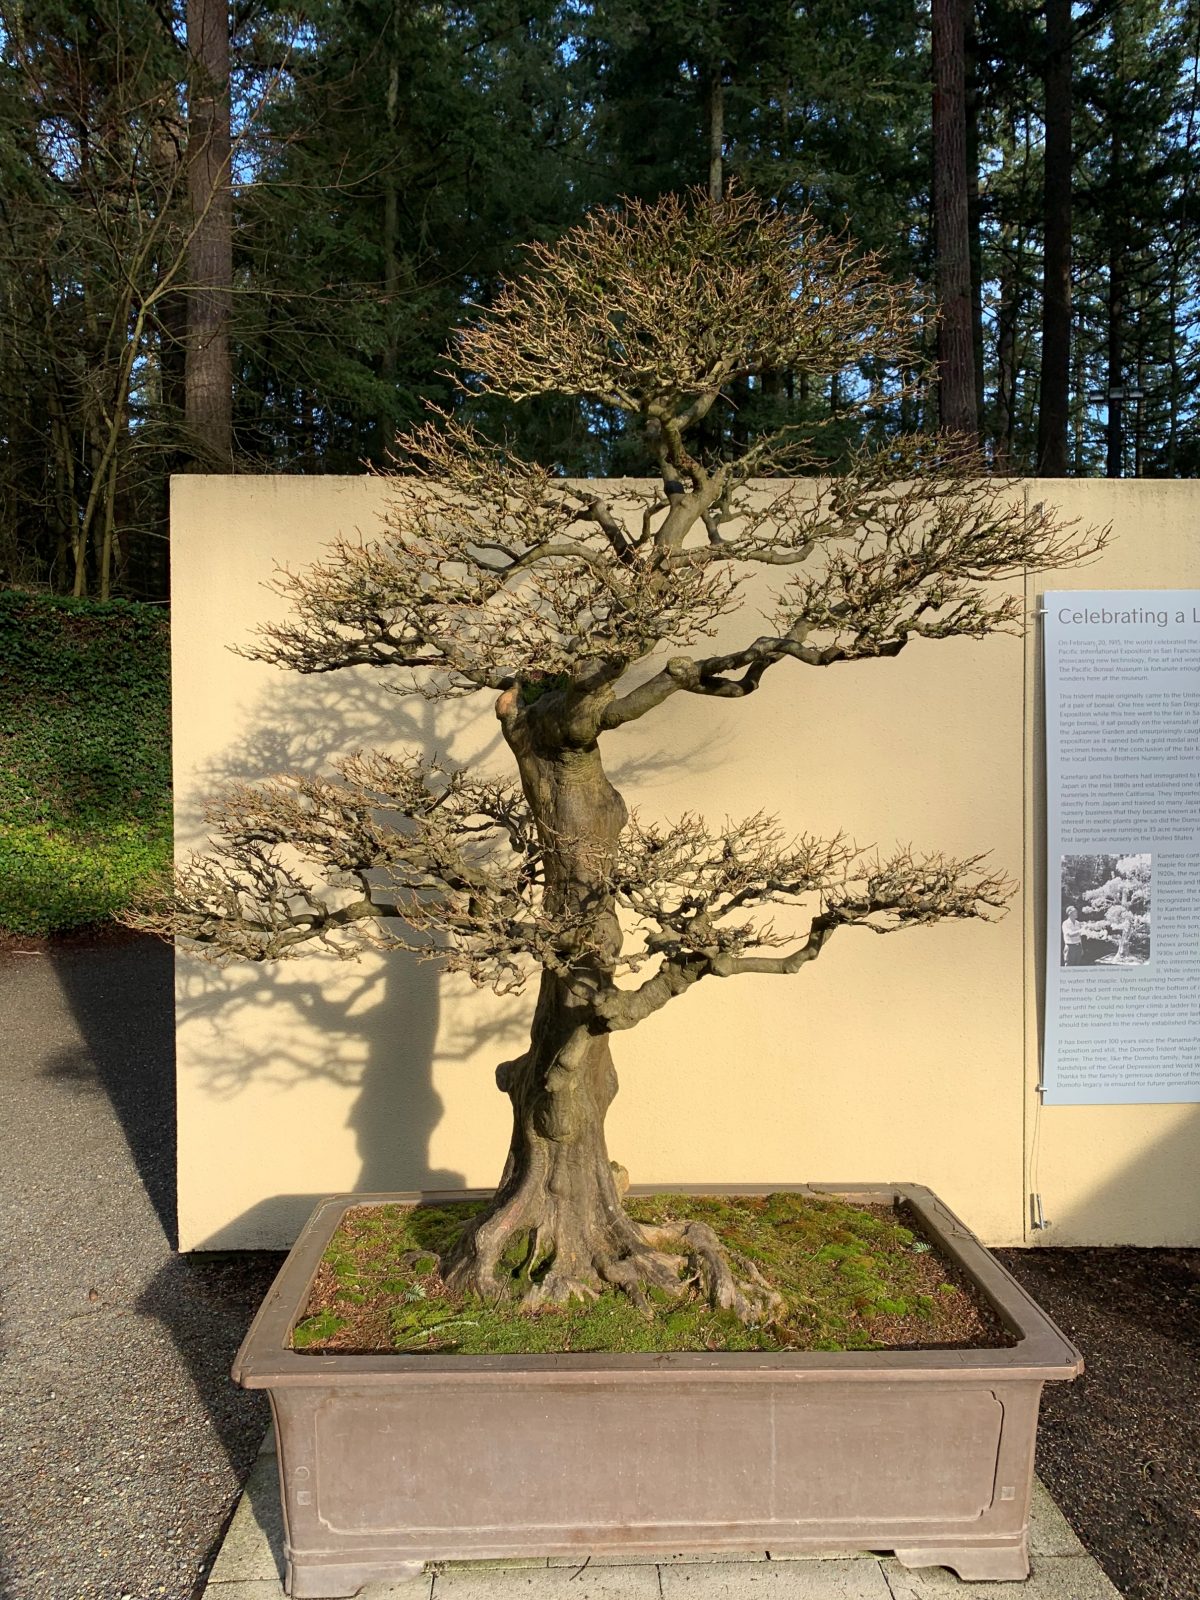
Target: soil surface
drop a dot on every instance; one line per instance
(852, 1277)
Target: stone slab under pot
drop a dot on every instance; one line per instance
(389, 1461)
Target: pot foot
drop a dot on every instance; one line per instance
(999, 1563)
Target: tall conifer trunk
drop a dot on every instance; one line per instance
(1054, 398)
(209, 371)
(956, 332)
(956, 339)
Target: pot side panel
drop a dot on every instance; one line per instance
(430, 1461)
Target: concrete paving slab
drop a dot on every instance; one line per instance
(254, 1590)
(1050, 1534)
(605, 1558)
(784, 1580)
(503, 1564)
(411, 1589)
(253, 1547)
(1052, 1578)
(418, 1588)
(819, 1555)
(585, 1583)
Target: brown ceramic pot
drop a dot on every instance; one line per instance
(389, 1461)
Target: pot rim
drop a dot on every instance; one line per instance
(1041, 1350)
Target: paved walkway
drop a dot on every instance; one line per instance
(250, 1566)
(123, 1443)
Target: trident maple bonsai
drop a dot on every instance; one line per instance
(493, 575)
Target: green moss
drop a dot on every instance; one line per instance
(836, 1265)
(312, 1330)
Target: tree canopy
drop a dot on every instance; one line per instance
(492, 574)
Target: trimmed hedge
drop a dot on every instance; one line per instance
(85, 757)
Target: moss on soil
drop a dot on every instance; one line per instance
(853, 1277)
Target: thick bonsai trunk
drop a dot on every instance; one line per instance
(557, 1219)
(556, 1229)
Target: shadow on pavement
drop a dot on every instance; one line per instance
(121, 994)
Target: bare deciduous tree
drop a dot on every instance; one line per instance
(493, 575)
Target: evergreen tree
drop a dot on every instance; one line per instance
(91, 239)
(412, 148)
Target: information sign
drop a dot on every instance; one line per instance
(1123, 841)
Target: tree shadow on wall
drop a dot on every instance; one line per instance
(369, 1027)
(363, 1038)
(205, 1300)
(375, 1027)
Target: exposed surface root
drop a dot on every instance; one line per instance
(675, 1260)
(746, 1293)
(558, 1289)
(553, 1276)
(642, 1271)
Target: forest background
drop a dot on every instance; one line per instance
(242, 240)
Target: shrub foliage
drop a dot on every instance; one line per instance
(85, 757)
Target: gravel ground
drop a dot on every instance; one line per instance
(123, 1444)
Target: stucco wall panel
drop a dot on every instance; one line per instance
(906, 1058)
(1106, 1174)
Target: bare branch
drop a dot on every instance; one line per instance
(912, 541)
(926, 532)
(445, 865)
(687, 883)
(479, 580)
(654, 308)
(690, 898)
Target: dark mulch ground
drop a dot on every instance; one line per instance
(1120, 1448)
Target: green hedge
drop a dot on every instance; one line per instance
(85, 757)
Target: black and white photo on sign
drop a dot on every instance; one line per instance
(1105, 910)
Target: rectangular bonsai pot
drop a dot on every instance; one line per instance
(389, 1461)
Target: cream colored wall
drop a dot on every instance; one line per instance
(1106, 1174)
(899, 1058)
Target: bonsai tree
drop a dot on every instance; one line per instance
(580, 613)
(1123, 902)
(1113, 894)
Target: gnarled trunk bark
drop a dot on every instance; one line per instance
(559, 1190)
(559, 1199)
(556, 1229)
